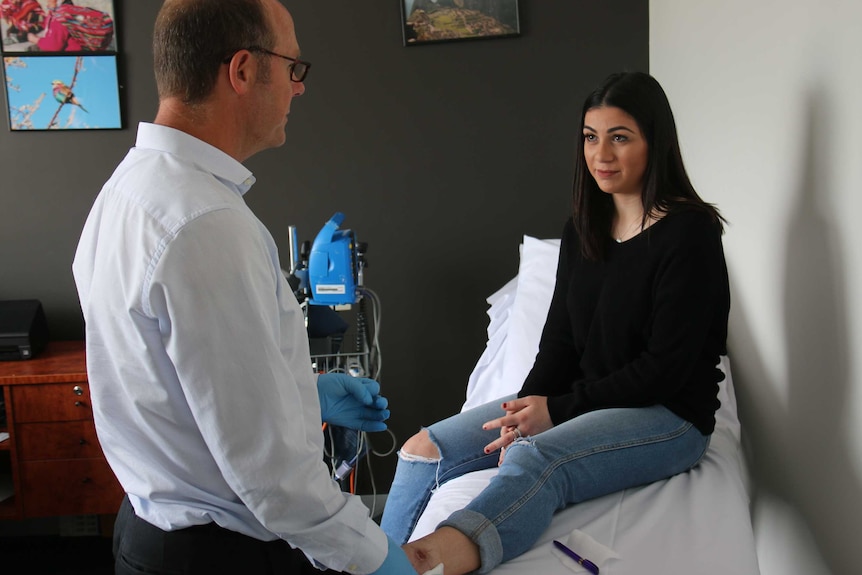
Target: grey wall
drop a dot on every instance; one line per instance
(441, 156)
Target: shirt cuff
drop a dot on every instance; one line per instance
(370, 554)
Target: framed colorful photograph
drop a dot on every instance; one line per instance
(57, 26)
(63, 92)
(427, 21)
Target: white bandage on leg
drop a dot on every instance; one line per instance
(436, 571)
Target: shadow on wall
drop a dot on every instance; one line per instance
(801, 455)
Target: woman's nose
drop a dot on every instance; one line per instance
(604, 152)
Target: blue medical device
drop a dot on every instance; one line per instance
(334, 269)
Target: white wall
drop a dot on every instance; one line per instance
(768, 100)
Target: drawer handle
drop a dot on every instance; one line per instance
(87, 480)
(78, 390)
(80, 404)
(82, 441)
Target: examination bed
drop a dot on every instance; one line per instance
(695, 523)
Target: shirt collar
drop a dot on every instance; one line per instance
(186, 146)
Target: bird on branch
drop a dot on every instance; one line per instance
(64, 95)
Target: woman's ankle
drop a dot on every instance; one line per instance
(458, 553)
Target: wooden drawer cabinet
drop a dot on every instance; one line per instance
(52, 456)
(52, 402)
(69, 487)
(63, 440)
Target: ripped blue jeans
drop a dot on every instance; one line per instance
(586, 457)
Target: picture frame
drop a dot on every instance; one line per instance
(57, 26)
(60, 64)
(435, 21)
(63, 92)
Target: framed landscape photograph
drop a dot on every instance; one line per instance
(57, 26)
(62, 92)
(428, 21)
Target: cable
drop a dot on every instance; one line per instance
(376, 363)
(367, 340)
(391, 450)
(330, 453)
(361, 338)
(377, 314)
(373, 484)
(375, 354)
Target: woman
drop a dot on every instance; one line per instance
(623, 391)
(56, 36)
(22, 17)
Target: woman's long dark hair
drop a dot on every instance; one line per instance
(667, 187)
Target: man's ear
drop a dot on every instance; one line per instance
(242, 71)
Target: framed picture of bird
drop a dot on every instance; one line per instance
(63, 92)
(432, 21)
(57, 26)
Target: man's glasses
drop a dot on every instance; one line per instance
(298, 68)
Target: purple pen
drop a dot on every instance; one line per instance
(585, 563)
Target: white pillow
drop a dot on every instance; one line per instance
(536, 279)
(516, 324)
(481, 385)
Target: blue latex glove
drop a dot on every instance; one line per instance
(396, 562)
(352, 402)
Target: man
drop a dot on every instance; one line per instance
(203, 394)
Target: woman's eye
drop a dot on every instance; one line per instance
(589, 137)
(620, 138)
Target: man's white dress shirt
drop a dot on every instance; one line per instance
(203, 394)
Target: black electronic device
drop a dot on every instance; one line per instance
(23, 329)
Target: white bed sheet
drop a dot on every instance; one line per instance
(695, 523)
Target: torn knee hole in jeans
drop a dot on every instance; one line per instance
(417, 458)
(425, 445)
(421, 459)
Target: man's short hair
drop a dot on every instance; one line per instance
(192, 38)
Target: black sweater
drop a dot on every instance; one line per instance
(645, 326)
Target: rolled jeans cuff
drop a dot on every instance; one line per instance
(481, 532)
